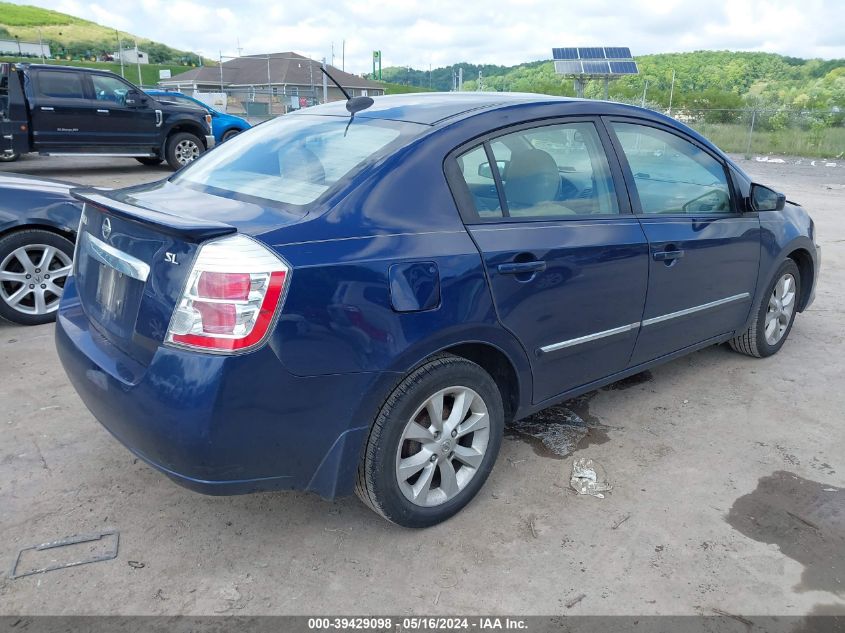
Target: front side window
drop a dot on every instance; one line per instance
(548, 172)
(60, 84)
(671, 174)
(294, 159)
(110, 89)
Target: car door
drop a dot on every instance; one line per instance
(122, 124)
(566, 261)
(61, 110)
(704, 252)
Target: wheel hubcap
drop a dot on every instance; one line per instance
(186, 151)
(33, 277)
(442, 446)
(780, 309)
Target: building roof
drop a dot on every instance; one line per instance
(284, 68)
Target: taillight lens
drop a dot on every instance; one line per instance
(230, 301)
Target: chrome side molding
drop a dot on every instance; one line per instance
(703, 306)
(633, 326)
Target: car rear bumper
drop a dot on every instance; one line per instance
(220, 424)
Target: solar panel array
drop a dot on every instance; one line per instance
(594, 60)
(593, 52)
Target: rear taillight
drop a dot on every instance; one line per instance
(231, 298)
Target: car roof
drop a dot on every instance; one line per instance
(431, 108)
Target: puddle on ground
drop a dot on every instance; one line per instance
(560, 430)
(805, 519)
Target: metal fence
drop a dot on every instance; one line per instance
(752, 131)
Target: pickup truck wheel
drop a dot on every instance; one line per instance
(9, 158)
(150, 162)
(34, 265)
(433, 443)
(230, 134)
(183, 148)
(773, 315)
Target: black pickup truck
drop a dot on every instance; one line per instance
(61, 110)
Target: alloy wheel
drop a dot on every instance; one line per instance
(186, 151)
(780, 309)
(442, 446)
(32, 278)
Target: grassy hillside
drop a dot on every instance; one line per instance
(703, 79)
(149, 72)
(73, 38)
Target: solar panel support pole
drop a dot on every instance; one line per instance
(579, 88)
(606, 89)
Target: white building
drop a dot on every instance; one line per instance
(129, 57)
(17, 47)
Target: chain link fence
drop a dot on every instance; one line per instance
(755, 131)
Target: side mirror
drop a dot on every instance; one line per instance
(765, 199)
(485, 171)
(134, 99)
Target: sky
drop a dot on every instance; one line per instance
(421, 32)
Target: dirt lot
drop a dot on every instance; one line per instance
(728, 478)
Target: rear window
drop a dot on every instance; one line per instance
(60, 85)
(294, 159)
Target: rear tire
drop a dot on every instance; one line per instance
(183, 148)
(150, 162)
(420, 468)
(9, 158)
(774, 314)
(34, 266)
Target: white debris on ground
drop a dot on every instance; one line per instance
(586, 481)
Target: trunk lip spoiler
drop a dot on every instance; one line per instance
(182, 226)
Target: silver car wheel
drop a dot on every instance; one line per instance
(442, 446)
(32, 278)
(187, 151)
(781, 307)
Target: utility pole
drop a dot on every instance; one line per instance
(429, 75)
(120, 52)
(240, 50)
(138, 62)
(41, 46)
(220, 64)
(325, 83)
(332, 54)
(269, 89)
(672, 92)
(343, 57)
(645, 90)
(460, 78)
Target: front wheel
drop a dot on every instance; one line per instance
(433, 443)
(34, 266)
(230, 134)
(183, 148)
(773, 315)
(9, 158)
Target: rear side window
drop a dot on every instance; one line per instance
(671, 174)
(548, 172)
(60, 84)
(294, 159)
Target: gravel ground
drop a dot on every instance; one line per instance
(727, 473)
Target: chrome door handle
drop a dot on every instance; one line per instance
(99, 111)
(520, 268)
(46, 109)
(664, 256)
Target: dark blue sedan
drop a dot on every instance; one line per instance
(38, 222)
(337, 303)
